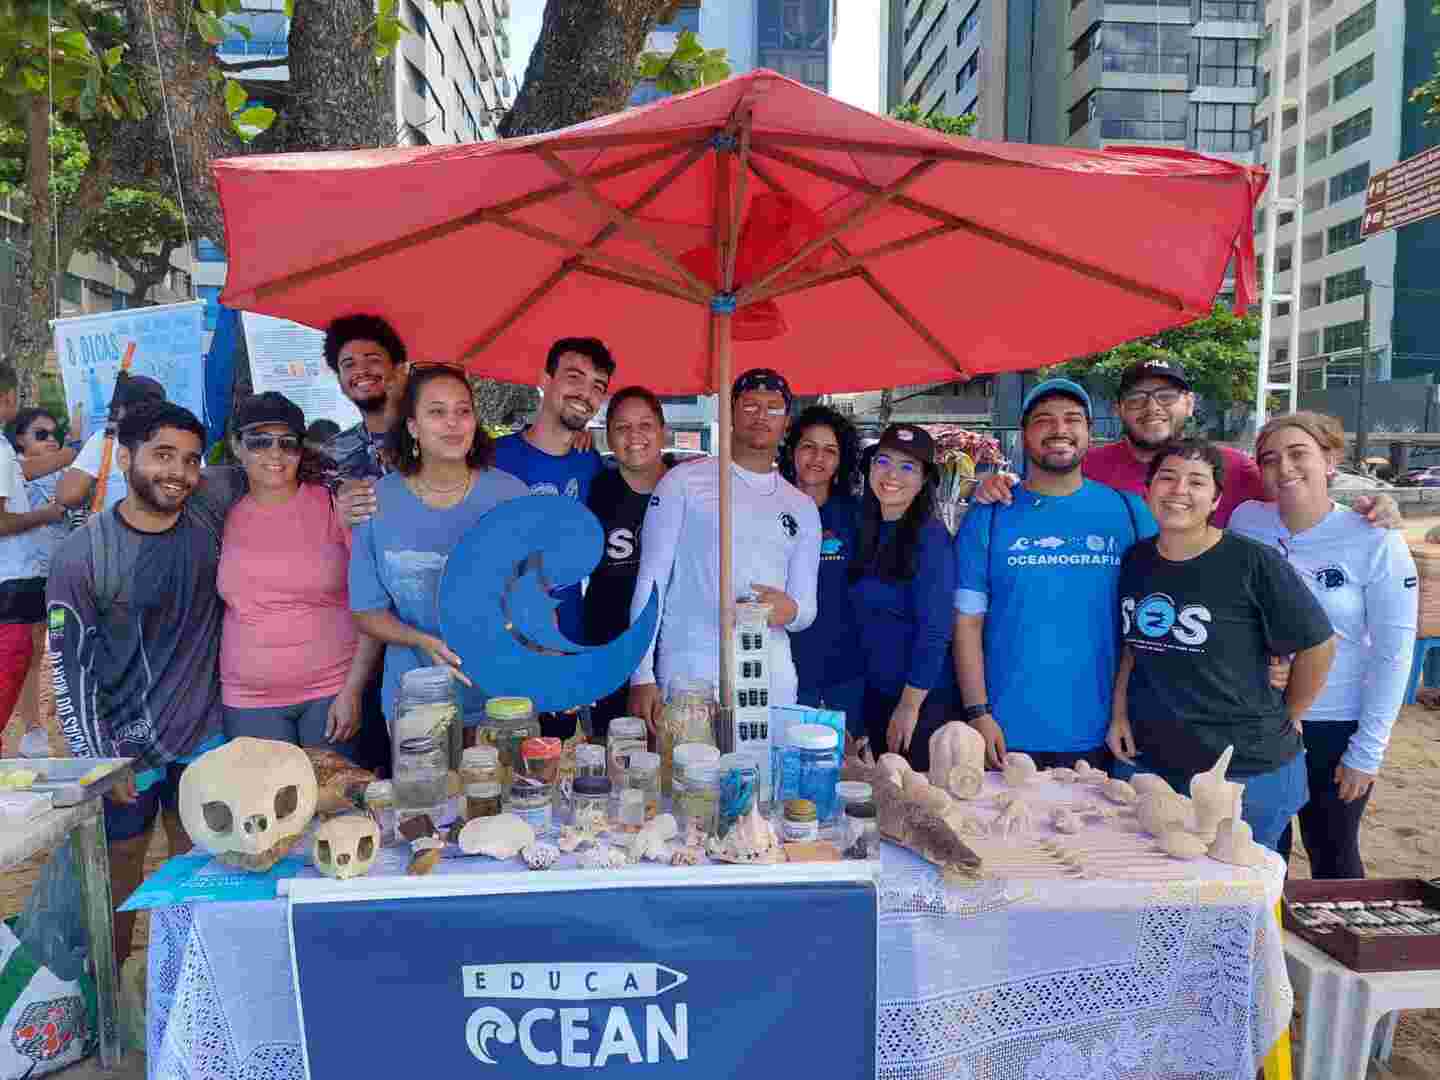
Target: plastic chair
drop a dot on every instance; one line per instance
(1417, 666)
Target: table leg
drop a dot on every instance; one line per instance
(91, 856)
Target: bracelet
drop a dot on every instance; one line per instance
(974, 712)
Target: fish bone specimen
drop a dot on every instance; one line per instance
(910, 824)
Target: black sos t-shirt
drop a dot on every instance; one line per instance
(621, 511)
(1202, 632)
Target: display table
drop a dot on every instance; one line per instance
(83, 827)
(1047, 978)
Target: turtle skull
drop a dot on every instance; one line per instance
(249, 801)
(346, 846)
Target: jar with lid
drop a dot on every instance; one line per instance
(508, 722)
(428, 703)
(592, 804)
(627, 735)
(862, 831)
(479, 765)
(380, 802)
(482, 800)
(739, 784)
(848, 792)
(589, 760)
(530, 801)
(540, 760)
(642, 775)
(800, 823)
(686, 755)
(808, 769)
(688, 717)
(420, 774)
(697, 803)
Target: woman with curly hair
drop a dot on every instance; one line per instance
(821, 457)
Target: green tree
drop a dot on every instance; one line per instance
(139, 231)
(1427, 94)
(689, 67)
(946, 125)
(1215, 350)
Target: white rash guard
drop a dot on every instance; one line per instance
(1366, 581)
(776, 542)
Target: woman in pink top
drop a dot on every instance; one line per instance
(292, 666)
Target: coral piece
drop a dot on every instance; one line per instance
(751, 839)
(603, 857)
(957, 760)
(341, 784)
(248, 802)
(650, 842)
(1019, 769)
(540, 856)
(573, 839)
(1159, 813)
(1063, 776)
(1150, 783)
(1119, 792)
(422, 862)
(1181, 845)
(1215, 798)
(687, 856)
(499, 837)
(346, 846)
(1065, 821)
(1015, 819)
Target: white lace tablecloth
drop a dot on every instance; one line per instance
(1108, 979)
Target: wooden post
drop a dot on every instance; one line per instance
(87, 844)
(720, 336)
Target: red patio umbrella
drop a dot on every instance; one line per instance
(844, 249)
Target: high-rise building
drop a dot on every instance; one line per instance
(938, 47)
(1364, 57)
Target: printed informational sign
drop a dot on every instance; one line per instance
(202, 878)
(169, 340)
(689, 973)
(290, 358)
(1402, 194)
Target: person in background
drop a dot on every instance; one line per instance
(902, 578)
(820, 456)
(1365, 579)
(775, 552)
(635, 432)
(1201, 612)
(134, 633)
(445, 480)
(292, 666)
(78, 481)
(37, 435)
(319, 434)
(1036, 667)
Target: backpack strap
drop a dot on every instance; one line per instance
(104, 539)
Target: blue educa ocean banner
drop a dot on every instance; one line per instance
(698, 978)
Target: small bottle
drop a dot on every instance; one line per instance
(739, 784)
(380, 802)
(862, 831)
(699, 800)
(530, 802)
(848, 793)
(589, 760)
(482, 800)
(420, 774)
(808, 769)
(540, 759)
(508, 722)
(592, 804)
(627, 734)
(800, 823)
(643, 775)
(632, 809)
(688, 754)
(480, 765)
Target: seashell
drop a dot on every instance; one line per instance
(1150, 784)
(573, 839)
(687, 856)
(1119, 792)
(1181, 845)
(603, 857)
(649, 842)
(1019, 769)
(1063, 776)
(540, 856)
(500, 837)
(1065, 821)
(964, 782)
(1159, 813)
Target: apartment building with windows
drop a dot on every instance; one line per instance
(1364, 58)
(937, 57)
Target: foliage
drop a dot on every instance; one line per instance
(138, 231)
(72, 52)
(946, 125)
(69, 156)
(1215, 351)
(689, 67)
(1428, 92)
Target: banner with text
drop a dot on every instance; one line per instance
(169, 344)
(290, 358)
(702, 979)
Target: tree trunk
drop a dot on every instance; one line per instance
(340, 99)
(583, 63)
(29, 336)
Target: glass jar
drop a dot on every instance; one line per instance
(482, 800)
(643, 775)
(508, 722)
(428, 703)
(739, 783)
(808, 769)
(479, 765)
(862, 831)
(697, 803)
(540, 760)
(530, 802)
(687, 755)
(589, 760)
(420, 775)
(688, 717)
(591, 804)
(800, 822)
(627, 734)
(380, 802)
(847, 794)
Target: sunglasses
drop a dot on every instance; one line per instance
(754, 408)
(288, 444)
(41, 434)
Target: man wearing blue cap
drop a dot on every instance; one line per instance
(1035, 644)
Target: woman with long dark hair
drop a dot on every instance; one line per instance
(444, 480)
(821, 456)
(902, 586)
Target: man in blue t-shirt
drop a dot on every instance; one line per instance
(1036, 642)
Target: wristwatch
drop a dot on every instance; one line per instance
(974, 712)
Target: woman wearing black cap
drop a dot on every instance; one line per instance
(902, 586)
(292, 666)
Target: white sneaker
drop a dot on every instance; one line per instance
(35, 743)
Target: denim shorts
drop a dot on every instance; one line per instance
(1271, 799)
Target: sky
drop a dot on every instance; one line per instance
(524, 29)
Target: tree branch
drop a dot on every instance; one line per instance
(229, 66)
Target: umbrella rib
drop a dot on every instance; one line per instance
(849, 261)
(626, 279)
(511, 317)
(1120, 281)
(772, 139)
(620, 218)
(915, 324)
(738, 206)
(580, 249)
(445, 228)
(757, 290)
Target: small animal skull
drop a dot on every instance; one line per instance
(249, 801)
(346, 846)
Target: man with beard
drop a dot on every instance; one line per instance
(1035, 653)
(134, 632)
(78, 481)
(369, 361)
(775, 545)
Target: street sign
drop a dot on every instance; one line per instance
(1403, 194)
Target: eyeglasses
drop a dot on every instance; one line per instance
(1164, 398)
(904, 468)
(40, 434)
(754, 408)
(288, 444)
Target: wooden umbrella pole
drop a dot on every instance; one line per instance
(720, 335)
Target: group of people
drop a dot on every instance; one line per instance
(1097, 610)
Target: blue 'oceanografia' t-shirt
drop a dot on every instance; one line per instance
(825, 652)
(1044, 572)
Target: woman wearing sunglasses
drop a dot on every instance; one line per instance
(292, 666)
(902, 586)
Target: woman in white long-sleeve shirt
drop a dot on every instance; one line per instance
(1365, 579)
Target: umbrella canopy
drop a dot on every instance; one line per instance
(862, 252)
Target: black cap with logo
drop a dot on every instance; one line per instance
(270, 408)
(1158, 367)
(763, 379)
(909, 439)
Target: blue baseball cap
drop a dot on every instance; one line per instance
(1051, 388)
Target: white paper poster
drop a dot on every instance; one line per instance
(168, 340)
(290, 358)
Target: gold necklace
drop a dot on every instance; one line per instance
(464, 490)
